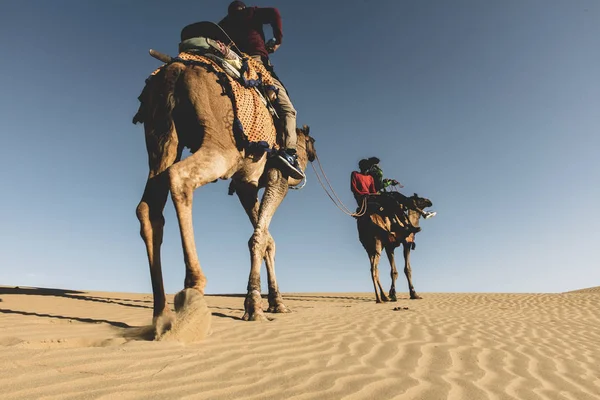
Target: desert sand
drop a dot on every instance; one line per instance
(62, 344)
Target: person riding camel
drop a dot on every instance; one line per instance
(374, 170)
(364, 188)
(362, 184)
(244, 25)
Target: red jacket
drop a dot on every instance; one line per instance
(246, 29)
(361, 184)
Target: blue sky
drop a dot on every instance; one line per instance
(490, 109)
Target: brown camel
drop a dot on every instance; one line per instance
(183, 107)
(374, 238)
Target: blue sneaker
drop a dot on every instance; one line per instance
(290, 161)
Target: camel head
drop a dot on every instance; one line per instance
(421, 202)
(309, 142)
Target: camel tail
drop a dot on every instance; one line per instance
(162, 99)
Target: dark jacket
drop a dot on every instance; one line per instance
(245, 28)
(377, 173)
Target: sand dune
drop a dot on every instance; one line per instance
(60, 344)
(592, 290)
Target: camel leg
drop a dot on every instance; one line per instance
(389, 250)
(198, 169)
(408, 271)
(150, 214)
(247, 193)
(280, 184)
(248, 197)
(275, 300)
(374, 257)
(275, 191)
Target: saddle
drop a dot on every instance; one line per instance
(244, 80)
(208, 39)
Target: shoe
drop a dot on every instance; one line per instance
(290, 161)
(430, 214)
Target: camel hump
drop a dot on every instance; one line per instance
(205, 29)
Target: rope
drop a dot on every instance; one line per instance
(329, 184)
(337, 201)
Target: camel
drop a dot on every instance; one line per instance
(183, 107)
(374, 238)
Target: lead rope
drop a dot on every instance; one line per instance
(337, 201)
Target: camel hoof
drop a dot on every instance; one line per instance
(256, 316)
(253, 307)
(414, 296)
(193, 318)
(393, 299)
(163, 324)
(278, 309)
(276, 305)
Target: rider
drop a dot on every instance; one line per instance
(244, 25)
(362, 184)
(364, 187)
(374, 170)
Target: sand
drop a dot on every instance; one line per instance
(61, 344)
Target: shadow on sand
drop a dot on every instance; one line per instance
(72, 294)
(86, 320)
(127, 331)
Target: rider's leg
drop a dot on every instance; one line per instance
(287, 115)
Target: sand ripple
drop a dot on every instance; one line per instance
(71, 345)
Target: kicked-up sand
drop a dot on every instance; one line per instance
(61, 344)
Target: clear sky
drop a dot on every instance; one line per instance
(489, 108)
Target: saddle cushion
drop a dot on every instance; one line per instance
(255, 118)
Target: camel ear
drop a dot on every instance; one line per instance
(306, 129)
(416, 195)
